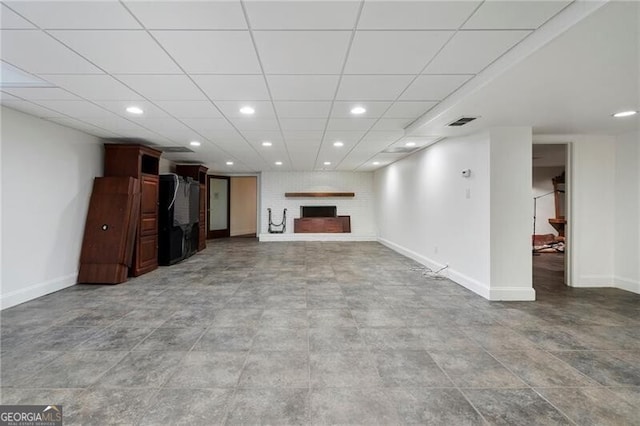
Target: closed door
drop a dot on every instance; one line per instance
(219, 226)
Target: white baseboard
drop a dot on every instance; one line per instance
(503, 293)
(588, 281)
(513, 294)
(627, 284)
(37, 290)
(315, 237)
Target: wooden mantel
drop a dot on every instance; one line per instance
(319, 194)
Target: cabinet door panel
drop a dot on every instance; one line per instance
(149, 189)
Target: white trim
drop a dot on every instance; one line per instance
(315, 237)
(627, 284)
(37, 290)
(457, 277)
(593, 281)
(514, 294)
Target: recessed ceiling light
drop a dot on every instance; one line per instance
(410, 144)
(338, 144)
(624, 114)
(278, 163)
(358, 110)
(266, 143)
(247, 110)
(194, 143)
(134, 110)
(327, 163)
(229, 163)
(375, 163)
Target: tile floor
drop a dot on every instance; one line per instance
(322, 333)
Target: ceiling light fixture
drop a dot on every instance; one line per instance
(338, 144)
(358, 110)
(247, 110)
(194, 143)
(375, 163)
(229, 163)
(266, 143)
(410, 144)
(327, 163)
(134, 110)
(278, 163)
(624, 114)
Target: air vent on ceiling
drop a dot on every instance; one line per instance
(400, 150)
(462, 121)
(139, 141)
(175, 149)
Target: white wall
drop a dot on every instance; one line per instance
(545, 206)
(627, 212)
(47, 178)
(429, 212)
(511, 273)
(360, 207)
(423, 210)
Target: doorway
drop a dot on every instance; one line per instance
(550, 195)
(232, 206)
(219, 207)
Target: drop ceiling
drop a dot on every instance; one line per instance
(302, 65)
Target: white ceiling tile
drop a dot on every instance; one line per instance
(393, 52)
(496, 15)
(208, 125)
(83, 126)
(120, 52)
(373, 109)
(253, 124)
(12, 21)
(303, 123)
(257, 137)
(93, 87)
(380, 139)
(302, 52)
(223, 136)
(349, 138)
(102, 14)
(309, 136)
(469, 52)
(372, 87)
(407, 109)
(31, 108)
(7, 97)
(233, 87)
(302, 87)
(433, 87)
(293, 109)
(350, 124)
(113, 123)
(302, 160)
(211, 52)
(163, 87)
(36, 52)
(169, 128)
(415, 15)
(120, 108)
(385, 124)
(42, 93)
(77, 109)
(306, 15)
(196, 15)
(190, 109)
(263, 109)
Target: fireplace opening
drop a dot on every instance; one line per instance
(318, 211)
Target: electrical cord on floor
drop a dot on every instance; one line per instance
(430, 273)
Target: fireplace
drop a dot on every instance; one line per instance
(318, 211)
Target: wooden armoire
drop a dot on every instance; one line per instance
(199, 174)
(141, 163)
